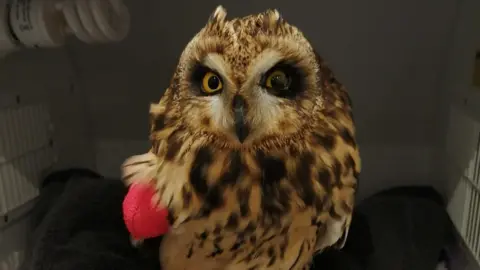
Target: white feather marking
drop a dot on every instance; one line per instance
(334, 232)
(263, 62)
(219, 116)
(220, 13)
(216, 62)
(266, 111)
(233, 35)
(276, 14)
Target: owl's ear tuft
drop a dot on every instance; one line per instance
(271, 20)
(218, 15)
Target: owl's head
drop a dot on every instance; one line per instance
(247, 80)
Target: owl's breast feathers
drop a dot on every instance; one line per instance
(277, 197)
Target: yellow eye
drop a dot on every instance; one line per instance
(278, 80)
(211, 83)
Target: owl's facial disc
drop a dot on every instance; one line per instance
(260, 104)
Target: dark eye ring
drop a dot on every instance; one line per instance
(277, 80)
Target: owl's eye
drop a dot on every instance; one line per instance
(211, 83)
(285, 80)
(277, 80)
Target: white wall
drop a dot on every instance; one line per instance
(49, 77)
(462, 109)
(390, 54)
(462, 102)
(45, 78)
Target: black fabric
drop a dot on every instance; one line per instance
(413, 192)
(355, 253)
(52, 187)
(83, 228)
(410, 228)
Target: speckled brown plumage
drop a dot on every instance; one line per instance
(274, 199)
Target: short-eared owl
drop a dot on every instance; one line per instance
(253, 149)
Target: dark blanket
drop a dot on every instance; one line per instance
(78, 225)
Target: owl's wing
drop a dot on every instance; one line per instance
(139, 168)
(341, 157)
(343, 238)
(334, 236)
(341, 186)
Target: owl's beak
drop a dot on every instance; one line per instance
(241, 128)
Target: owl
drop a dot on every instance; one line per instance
(253, 149)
